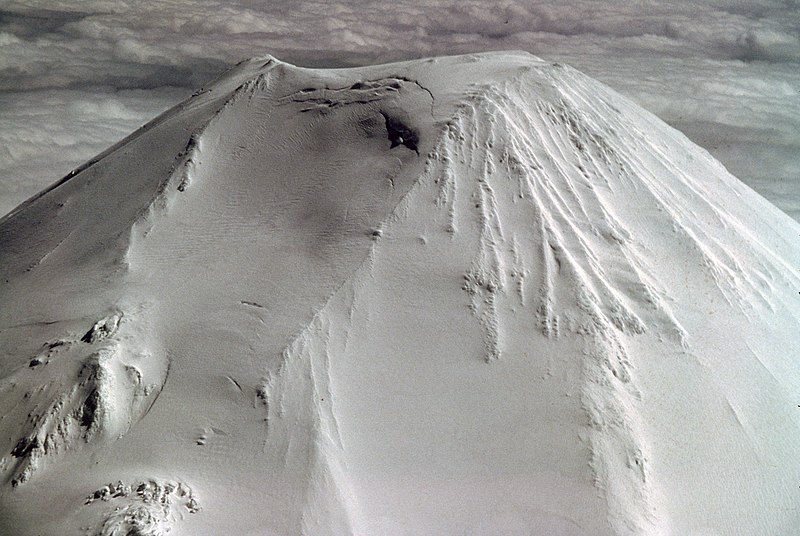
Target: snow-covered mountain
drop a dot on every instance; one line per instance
(475, 295)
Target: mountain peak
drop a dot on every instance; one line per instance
(477, 294)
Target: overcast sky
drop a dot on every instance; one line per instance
(76, 77)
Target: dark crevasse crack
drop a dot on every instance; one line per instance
(400, 133)
(364, 92)
(371, 90)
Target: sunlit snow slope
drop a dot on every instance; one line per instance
(478, 295)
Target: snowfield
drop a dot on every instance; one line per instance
(472, 295)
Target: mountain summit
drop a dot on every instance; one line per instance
(474, 295)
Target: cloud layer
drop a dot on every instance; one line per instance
(74, 78)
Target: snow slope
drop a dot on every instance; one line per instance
(469, 295)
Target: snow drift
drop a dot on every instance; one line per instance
(470, 295)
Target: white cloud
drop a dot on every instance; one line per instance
(725, 72)
(48, 133)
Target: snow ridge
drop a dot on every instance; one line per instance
(95, 388)
(299, 398)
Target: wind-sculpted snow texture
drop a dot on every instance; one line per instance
(470, 295)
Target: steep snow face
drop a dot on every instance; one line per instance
(469, 295)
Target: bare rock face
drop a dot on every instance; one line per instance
(148, 508)
(79, 392)
(471, 295)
